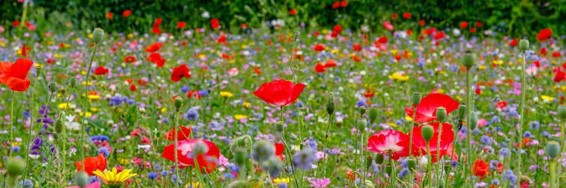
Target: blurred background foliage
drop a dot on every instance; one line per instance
(516, 18)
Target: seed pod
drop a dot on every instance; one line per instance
(441, 114)
(97, 35)
(523, 44)
(416, 98)
(15, 166)
(468, 60)
(552, 149)
(372, 115)
(426, 132)
(330, 104)
(562, 112)
(81, 179)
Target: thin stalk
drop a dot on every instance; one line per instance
(522, 108)
(469, 107)
(438, 159)
(12, 123)
(429, 164)
(553, 174)
(176, 153)
(287, 149)
(85, 106)
(392, 175)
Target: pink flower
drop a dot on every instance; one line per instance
(387, 25)
(389, 141)
(95, 184)
(319, 182)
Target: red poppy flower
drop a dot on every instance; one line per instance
(463, 25)
(154, 47)
(181, 25)
(183, 134)
(357, 47)
(514, 42)
(439, 35)
(156, 59)
(480, 169)
(279, 149)
(556, 54)
(16, 23)
(330, 63)
(318, 47)
(156, 29)
(382, 40)
(207, 160)
(195, 94)
(560, 75)
(343, 3)
(109, 15)
(319, 68)
(389, 141)
(257, 70)
(473, 30)
(477, 89)
(101, 70)
(292, 12)
(25, 49)
(543, 51)
(446, 139)
(426, 109)
(14, 75)
(127, 13)
(180, 72)
(279, 92)
(394, 16)
(388, 25)
(337, 29)
(407, 15)
(479, 24)
(335, 5)
(215, 23)
(501, 104)
(92, 164)
(544, 34)
(221, 39)
(421, 22)
(129, 59)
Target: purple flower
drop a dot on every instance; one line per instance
(319, 182)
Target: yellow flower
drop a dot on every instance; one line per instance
(88, 114)
(247, 104)
(408, 118)
(123, 161)
(89, 83)
(94, 109)
(226, 94)
(38, 65)
(93, 97)
(497, 62)
(163, 110)
(280, 180)
(239, 116)
(391, 124)
(546, 98)
(113, 177)
(399, 77)
(131, 35)
(482, 67)
(193, 185)
(65, 105)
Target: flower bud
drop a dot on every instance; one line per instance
(473, 121)
(369, 161)
(461, 111)
(426, 132)
(372, 115)
(330, 104)
(379, 159)
(240, 157)
(72, 82)
(242, 142)
(523, 44)
(363, 110)
(81, 179)
(416, 98)
(441, 114)
(562, 112)
(552, 149)
(468, 60)
(97, 35)
(178, 103)
(262, 150)
(15, 166)
(52, 87)
(412, 163)
(368, 184)
(274, 166)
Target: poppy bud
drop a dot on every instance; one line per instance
(524, 44)
(97, 35)
(52, 87)
(552, 149)
(372, 115)
(473, 121)
(412, 163)
(330, 104)
(262, 150)
(15, 166)
(279, 126)
(240, 157)
(369, 161)
(238, 184)
(441, 114)
(379, 159)
(242, 142)
(274, 166)
(461, 111)
(426, 132)
(468, 60)
(297, 35)
(81, 179)
(72, 82)
(416, 98)
(562, 112)
(178, 103)
(363, 110)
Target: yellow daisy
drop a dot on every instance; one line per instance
(398, 77)
(226, 94)
(113, 177)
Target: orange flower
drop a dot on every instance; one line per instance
(14, 75)
(480, 169)
(92, 164)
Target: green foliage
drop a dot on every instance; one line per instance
(517, 18)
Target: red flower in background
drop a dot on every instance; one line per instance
(479, 24)
(180, 72)
(330, 63)
(215, 23)
(92, 164)
(15, 75)
(544, 34)
(387, 25)
(463, 25)
(480, 169)
(109, 15)
(389, 141)
(195, 94)
(183, 134)
(101, 70)
(439, 35)
(560, 75)
(343, 3)
(501, 104)
(556, 54)
(221, 39)
(514, 42)
(156, 29)
(319, 68)
(279, 92)
(181, 25)
(186, 154)
(156, 59)
(154, 47)
(292, 12)
(421, 22)
(543, 51)
(407, 15)
(129, 59)
(335, 5)
(357, 47)
(279, 149)
(382, 40)
(127, 13)
(16, 23)
(394, 16)
(318, 47)
(426, 109)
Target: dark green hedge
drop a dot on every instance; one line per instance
(515, 17)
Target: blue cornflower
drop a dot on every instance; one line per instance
(486, 140)
(116, 100)
(152, 175)
(104, 151)
(304, 158)
(192, 114)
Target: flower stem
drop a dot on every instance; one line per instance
(176, 153)
(12, 123)
(469, 107)
(85, 105)
(522, 108)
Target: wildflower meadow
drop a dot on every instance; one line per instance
(271, 98)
